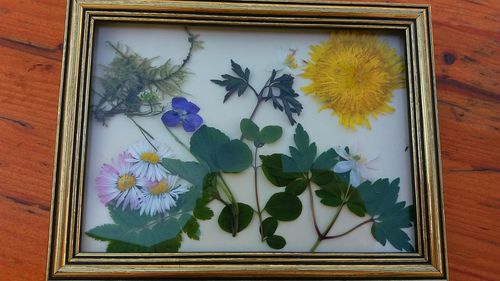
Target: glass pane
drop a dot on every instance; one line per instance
(199, 136)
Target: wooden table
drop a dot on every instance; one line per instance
(467, 45)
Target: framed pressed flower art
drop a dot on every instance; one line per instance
(260, 139)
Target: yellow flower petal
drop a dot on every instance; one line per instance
(354, 75)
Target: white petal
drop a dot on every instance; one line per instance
(341, 152)
(354, 178)
(343, 166)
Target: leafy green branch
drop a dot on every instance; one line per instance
(267, 228)
(279, 90)
(303, 167)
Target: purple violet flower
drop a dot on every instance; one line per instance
(185, 112)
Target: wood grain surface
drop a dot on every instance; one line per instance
(467, 45)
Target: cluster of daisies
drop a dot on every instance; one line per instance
(137, 180)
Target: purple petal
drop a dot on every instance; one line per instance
(191, 108)
(179, 103)
(171, 118)
(192, 122)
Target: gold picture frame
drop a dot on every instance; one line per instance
(67, 261)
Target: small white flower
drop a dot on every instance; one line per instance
(285, 61)
(146, 161)
(161, 196)
(358, 166)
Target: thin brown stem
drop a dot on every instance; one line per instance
(328, 228)
(144, 133)
(313, 210)
(349, 231)
(255, 174)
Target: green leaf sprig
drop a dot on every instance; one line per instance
(278, 89)
(297, 171)
(280, 206)
(133, 86)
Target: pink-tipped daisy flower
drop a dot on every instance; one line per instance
(117, 184)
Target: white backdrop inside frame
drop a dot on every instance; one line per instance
(255, 49)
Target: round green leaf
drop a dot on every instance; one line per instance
(284, 206)
(297, 186)
(234, 157)
(269, 226)
(270, 134)
(226, 218)
(249, 129)
(276, 242)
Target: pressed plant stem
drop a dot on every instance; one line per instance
(178, 140)
(260, 99)
(259, 211)
(144, 133)
(313, 210)
(350, 230)
(328, 228)
(234, 204)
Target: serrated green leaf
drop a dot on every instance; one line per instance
(355, 203)
(239, 70)
(330, 182)
(272, 167)
(329, 199)
(290, 166)
(269, 226)
(326, 160)
(301, 138)
(276, 242)
(234, 84)
(270, 134)
(303, 159)
(210, 187)
(389, 216)
(303, 154)
(283, 96)
(249, 129)
(203, 213)
(192, 228)
(379, 196)
(333, 189)
(284, 206)
(297, 186)
(226, 219)
(233, 157)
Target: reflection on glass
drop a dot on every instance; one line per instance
(206, 139)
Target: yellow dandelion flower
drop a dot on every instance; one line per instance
(354, 75)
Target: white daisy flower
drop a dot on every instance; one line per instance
(358, 166)
(161, 196)
(119, 184)
(146, 161)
